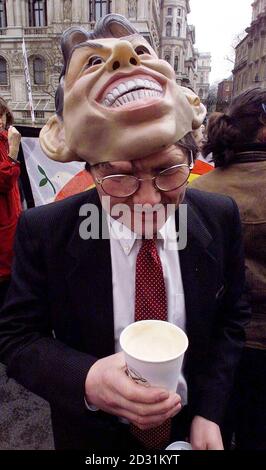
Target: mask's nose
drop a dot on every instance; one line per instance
(123, 56)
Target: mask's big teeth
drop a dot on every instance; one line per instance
(132, 90)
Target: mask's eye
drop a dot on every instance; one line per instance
(140, 50)
(95, 60)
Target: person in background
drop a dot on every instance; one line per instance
(201, 165)
(10, 206)
(238, 143)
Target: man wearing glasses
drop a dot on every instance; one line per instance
(120, 110)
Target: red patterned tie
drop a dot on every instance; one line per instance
(150, 304)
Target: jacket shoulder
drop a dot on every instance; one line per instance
(60, 209)
(209, 201)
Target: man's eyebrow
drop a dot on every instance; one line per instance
(93, 45)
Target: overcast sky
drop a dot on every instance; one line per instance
(217, 24)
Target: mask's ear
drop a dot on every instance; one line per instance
(52, 141)
(199, 110)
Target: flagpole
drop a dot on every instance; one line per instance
(28, 81)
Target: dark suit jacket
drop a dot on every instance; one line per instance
(58, 317)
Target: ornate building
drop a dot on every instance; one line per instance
(203, 72)
(41, 23)
(178, 39)
(250, 62)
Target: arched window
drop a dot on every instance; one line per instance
(178, 30)
(200, 93)
(38, 71)
(168, 29)
(37, 13)
(176, 63)
(167, 57)
(3, 71)
(99, 8)
(2, 14)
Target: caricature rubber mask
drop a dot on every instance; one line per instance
(120, 103)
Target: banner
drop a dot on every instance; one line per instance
(27, 78)
(51, 181)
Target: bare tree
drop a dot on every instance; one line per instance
(236, 40)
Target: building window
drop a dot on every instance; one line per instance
(176, 63)
(167, 58)
(169, 29)
(2, 14)
(178, 30)
(3, 71)
(99, 8)
(38, 71)
(169, 11)
(179, 12)
(37, 13)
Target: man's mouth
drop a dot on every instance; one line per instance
(131, 89)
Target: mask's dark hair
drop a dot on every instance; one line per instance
(4, 109)
(226, 133)
(110, 26)
(187, 143)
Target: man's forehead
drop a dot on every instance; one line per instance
(173, 154)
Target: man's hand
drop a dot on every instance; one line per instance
(109, 388)
(14, 138)
(205, 435)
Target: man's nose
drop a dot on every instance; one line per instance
(123, 56)
(147, 193)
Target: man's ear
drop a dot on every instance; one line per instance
(52, 141)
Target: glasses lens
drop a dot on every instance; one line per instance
(120, 185)
(172, 178)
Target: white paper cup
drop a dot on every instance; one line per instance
(179, 445)
(154, 352)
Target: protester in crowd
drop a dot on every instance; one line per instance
(9, 193)
(238, 143)
(201, 165)
(73, 292)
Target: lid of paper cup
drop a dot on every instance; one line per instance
(179, 445)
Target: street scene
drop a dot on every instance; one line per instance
(132, 226)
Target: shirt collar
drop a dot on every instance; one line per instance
(127, 238)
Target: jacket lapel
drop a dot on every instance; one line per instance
(199, 274)
(89, 281)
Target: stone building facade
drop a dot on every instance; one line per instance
(41, 23)
(250, 62)
(178, 39)
(203, 75)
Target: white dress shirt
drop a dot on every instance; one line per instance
(124, 249)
